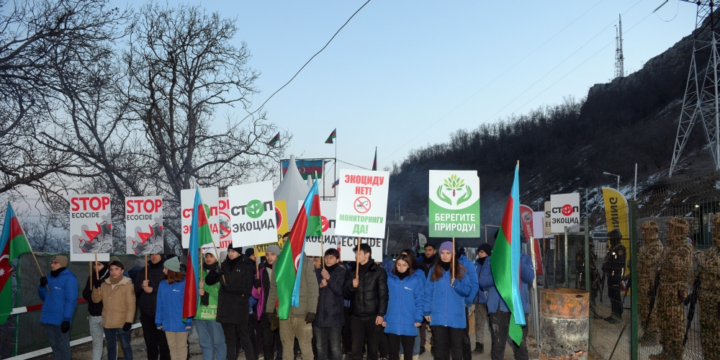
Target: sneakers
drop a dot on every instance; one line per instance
(479, 348)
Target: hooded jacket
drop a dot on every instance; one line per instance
(60, 304)
(330, 302)
(148, 301)
(170, 306)
(445, 303)
(94, 309)
(481, 297)
(495, 302)
(370, 298)
(473, 278)
(118, 302)
(405, 305)
(308, 292)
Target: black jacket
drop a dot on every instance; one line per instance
(148, 301)
(420, 266)
(331, 301)
(428, 261)
(94, 309)
(235, 290)
(370, 298)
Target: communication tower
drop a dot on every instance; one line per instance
(619, 60)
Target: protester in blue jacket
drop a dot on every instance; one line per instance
(467, 347)
(168, 316)
(59, 305)
(445, 304)
(480, 301)
(406, 292)
(499, 314)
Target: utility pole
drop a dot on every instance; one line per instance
(619, 59)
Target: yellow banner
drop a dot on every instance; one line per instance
(616, 216)
(282, 227)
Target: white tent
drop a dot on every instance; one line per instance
(309, 182)
(292, 189)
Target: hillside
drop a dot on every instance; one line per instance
(565, 147)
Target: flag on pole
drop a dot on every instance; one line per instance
(274, 140)
(199, 236)
(375, 160)
(505, 261)
(332, 137)
(308, 223)
(13, 243)
(336, 183)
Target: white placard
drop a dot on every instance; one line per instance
(564, 211)
(144, 225)
(348, 245)
(252, 214)
(538, 224)
(362, 203)
(90, 227)
(209, 197)
(224, 223)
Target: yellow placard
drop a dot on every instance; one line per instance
(282, 227)
(616, 216)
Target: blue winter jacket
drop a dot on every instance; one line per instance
(481, 297)
(405, 305)
(495, 302)
(445, 303)
(388, 264)
(60, 304)
(168, 313)
(473, 278)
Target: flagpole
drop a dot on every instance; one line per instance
(31, 249)
(146, 278)
(97, 273)
(357, 263)
(335, 170)
(218, 257)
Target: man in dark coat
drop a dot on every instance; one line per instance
(614, 267)
(96, 278)
(236, 276)
(330, 318)
(368, 294)
(155, 340)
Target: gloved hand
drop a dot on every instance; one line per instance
(65, 326)
(219, 270)
(127, 326)
(256, 283)
(205, 299)
(97, 283)
(43, 281)
(309, 318)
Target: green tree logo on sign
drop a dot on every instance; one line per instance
(453, 186)
(255, 209)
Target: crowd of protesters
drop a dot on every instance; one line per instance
(346, 310)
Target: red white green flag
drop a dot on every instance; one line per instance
(13, 243)
(199, 235)
(332, 137)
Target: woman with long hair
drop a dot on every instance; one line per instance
(445, 303)
(168, 316)
(406, 290)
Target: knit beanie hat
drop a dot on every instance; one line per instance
(446, 246)
(60, 259)
(173, 264)
(273, 249)
(249, 252)
(487, 248)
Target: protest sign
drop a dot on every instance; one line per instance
(454, 198)
(224, 226)
(210, 199)
(144, 225)
(348, 245)
(564, 211)
(281, 224)
(526, 219)
(90, 227)
(252, 214)
(547, 221)
(362, 203)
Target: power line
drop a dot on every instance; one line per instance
(311, 58)
(347, 163)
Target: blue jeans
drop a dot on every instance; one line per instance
(328, 338)
(111, 335)
(212, 339)
(59, 342)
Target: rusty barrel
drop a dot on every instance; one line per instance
(564, 324)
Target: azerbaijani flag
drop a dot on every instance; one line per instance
(274, 140)
(199, 236)
(336, 183)
(375, 160)
(505, 261)
(13, 243)
(308, 223)
(332, 136)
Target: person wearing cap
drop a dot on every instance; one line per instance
(168, 316)
(58, 305)
(117, 295)
(250, 254)
(368, 294)
(236, 276)
(444, 306)
(299, 322)
(146, 289)
(499, 315)
(330, 318)
(480, 300)
(99, 274)
(269, 330)
(210, 332)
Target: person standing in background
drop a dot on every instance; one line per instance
(117, 294)
(95, 309)
(330, 318)
(480, 301)
(168, 317)
(261, 293)
(210, 332)
(147, 288)
(58, 305)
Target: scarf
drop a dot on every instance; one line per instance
(56, 273)
(444, 265)
(402, 275)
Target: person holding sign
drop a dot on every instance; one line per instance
(368, 294)
(406, 289)
(95, 279)
(147, 284)
(58, 305)
(210, 332)
(117, 295)
(445, 303)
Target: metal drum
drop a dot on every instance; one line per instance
(564, 323)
